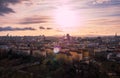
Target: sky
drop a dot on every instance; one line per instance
(59, 17)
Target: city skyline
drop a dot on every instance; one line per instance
(59, 17)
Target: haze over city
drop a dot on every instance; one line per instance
(58, 17)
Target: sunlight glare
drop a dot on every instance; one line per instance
(65, 18)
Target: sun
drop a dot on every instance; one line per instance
(65, 18)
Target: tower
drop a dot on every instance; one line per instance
(68, 37)
(115, 34)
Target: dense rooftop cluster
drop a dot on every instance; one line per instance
(59, 57)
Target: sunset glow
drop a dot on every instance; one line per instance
(65, 18)
(57, 17)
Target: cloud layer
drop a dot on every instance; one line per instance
(93, 16)
(34, 20)
(4, 9)
(43, 28)
(15, 29)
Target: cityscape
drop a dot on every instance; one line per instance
(59, 57)
(59, 39)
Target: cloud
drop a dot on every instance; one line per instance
(105, 3)
(4, 9)
(15, 29)
(41, 27)
(100, 1)
(95, 4)
(106, 22)
(34, 20)
(48, 28)
(115, 14)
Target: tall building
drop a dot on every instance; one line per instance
(68, 37)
